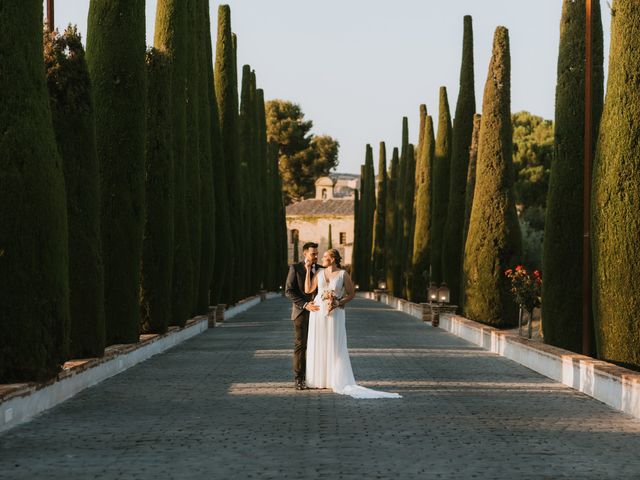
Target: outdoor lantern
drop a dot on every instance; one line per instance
(357, 286)
(432, 293)
(443, 293)
(382, 285)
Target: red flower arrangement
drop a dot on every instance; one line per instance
(525, 287)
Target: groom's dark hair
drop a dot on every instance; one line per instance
(309, 245)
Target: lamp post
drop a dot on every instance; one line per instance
(443, 294)
(432, 294)
(382, 288)
(50, 16)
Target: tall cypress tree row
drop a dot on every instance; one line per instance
(205, 163)
(441, 169)
(157, 253)
(74, 126)
(273, 151)
(390, 219)
(257, 243)
(562, 257)
(171, 37)
(223, 243)
(192, 163)
(379, 233)
(226, 92)
(421, 257)
(369, 218)
(116, 58)
(616, 190)
(34, 285)
(452, 247)
(399, 247)
(268, 228)
(469, 191)
(407, 234)
(493, 242)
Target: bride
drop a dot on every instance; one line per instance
(328, 362)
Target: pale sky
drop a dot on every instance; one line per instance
(358, 66)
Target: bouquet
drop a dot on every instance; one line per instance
(330, 299)
(526, 288)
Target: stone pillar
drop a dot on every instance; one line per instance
(211, 316)
(220, 312)
(431, 312)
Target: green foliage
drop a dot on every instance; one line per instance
(493, 242)
(398, 233)
(74, 125)
(441, 172)
(422, 233)
(408, 221)
(615, 194)
(227, 96)
(532, 240)
(223, 243)
(304, 157)
(205, 163)
(452, 247)
(369, 203)
(390, 219)
(532, 154)
(563, 262)
(171, 38)
(379, 230)
(34, 284)
(471, 181)
(157, 253)
(192, 160)
(116, 59)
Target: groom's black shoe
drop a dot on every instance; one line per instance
(300, 384)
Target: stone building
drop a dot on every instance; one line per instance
(308, 220)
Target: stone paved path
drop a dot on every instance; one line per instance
(222, 406)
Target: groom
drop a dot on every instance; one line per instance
(302, 305)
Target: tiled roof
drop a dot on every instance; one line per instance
(313, 207)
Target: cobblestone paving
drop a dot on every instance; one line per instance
(222, 406)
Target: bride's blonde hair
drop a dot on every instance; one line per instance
(335, 254)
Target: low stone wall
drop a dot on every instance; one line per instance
(20, 402)
(616, 386)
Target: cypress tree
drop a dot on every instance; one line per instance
(34, 284)
(399, 246)
(270, 226)
(452, 247)
(422, 233)
(171, 38)
(74, 126)
(407, 248)
(227, 98)
(441, 169)
(260, 200)
(379, 250)
(362, 227)
(246, 151)
(116, 59)
(421, 138)
(223, 243)
(390, 219)
(330, 243)
(616, 190)
(471, 181)
(157, 253)
(273, 151)
(205, 137)
(493, 242)
(192, 160)
(369, 218)
(562, 258)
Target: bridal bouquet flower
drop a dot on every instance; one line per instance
(526, 287)
(330, 298)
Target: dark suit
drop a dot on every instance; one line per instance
(294, 290)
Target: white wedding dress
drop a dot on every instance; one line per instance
(328, 362)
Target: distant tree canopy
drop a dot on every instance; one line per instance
(532, 153)
(303, 156)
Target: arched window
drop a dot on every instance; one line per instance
(324, 193)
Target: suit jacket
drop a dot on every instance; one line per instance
(294, 289)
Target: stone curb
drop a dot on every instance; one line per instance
(19, 402)
(615, 386)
